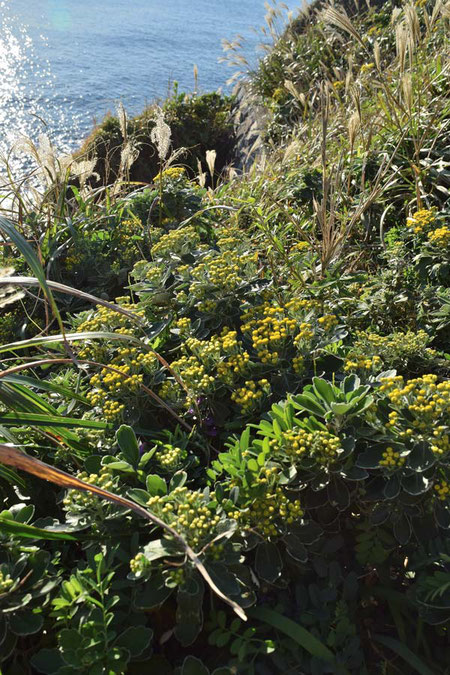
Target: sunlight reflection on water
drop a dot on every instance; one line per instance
(28, 99)
(64, 64)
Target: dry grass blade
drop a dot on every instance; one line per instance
(18, 460)
(8, 294)
(68, 290)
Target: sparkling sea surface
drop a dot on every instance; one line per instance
(65, 63)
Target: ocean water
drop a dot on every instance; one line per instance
(65, 63)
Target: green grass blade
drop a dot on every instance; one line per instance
(44, 385)
(71, 337)
(33, 262)
(404, 652)
(12, 477)
(29, 532)
(14, 419)
(300, 635)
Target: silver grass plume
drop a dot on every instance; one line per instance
(211, 161)
(201, 177)
(161, 135)
(333, 17)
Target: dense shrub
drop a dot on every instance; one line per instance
(269, 391)
(198, 123)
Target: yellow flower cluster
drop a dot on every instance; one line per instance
(338, 84)
(298, 363)
(362, 362)
(114, 382)
(271, 331)
(248, 396)
(5, 582)
(367, 67)
(193, 374)
(228, 243)
(207, 306)
(427, 401)
(234, 365)
(421, 220)
(442, 490)
(328, 321)
(305, 333)
(440, 236)
(394, 348)
(76, 500)
(154, 274)
(321, 446)
(125, 230)
(170, 457)
(133, 357)
(112, 410)
(229, 341)
(183, 325)
(221, 270)
(172, 172)
(300, 247)
(392, 459)
(139, 564)
(169, 391)
(302, 304)
(273, 328)
(176, 241)
(186, 511)
(73, 259)
(107, 319)
(264, 511)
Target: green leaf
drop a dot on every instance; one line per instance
(161, 548)
(156, 486)
(178, 480)
(323, 389)
(189, 611)
(402, 530)
(152, 594)
(351, 382)
(126, 438)
(300, 635)
(193, 666)
(268, 563)
(404, 652)
(47, 661)
(341, 408)
(392, 487)
(26, 623)
(421, 457)
(12, 477)
(135, 639)
(416, 484)
(370, 459)
(139, 496)
(69, 639)
(29, 532)
(305, 402)
(295, 547)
